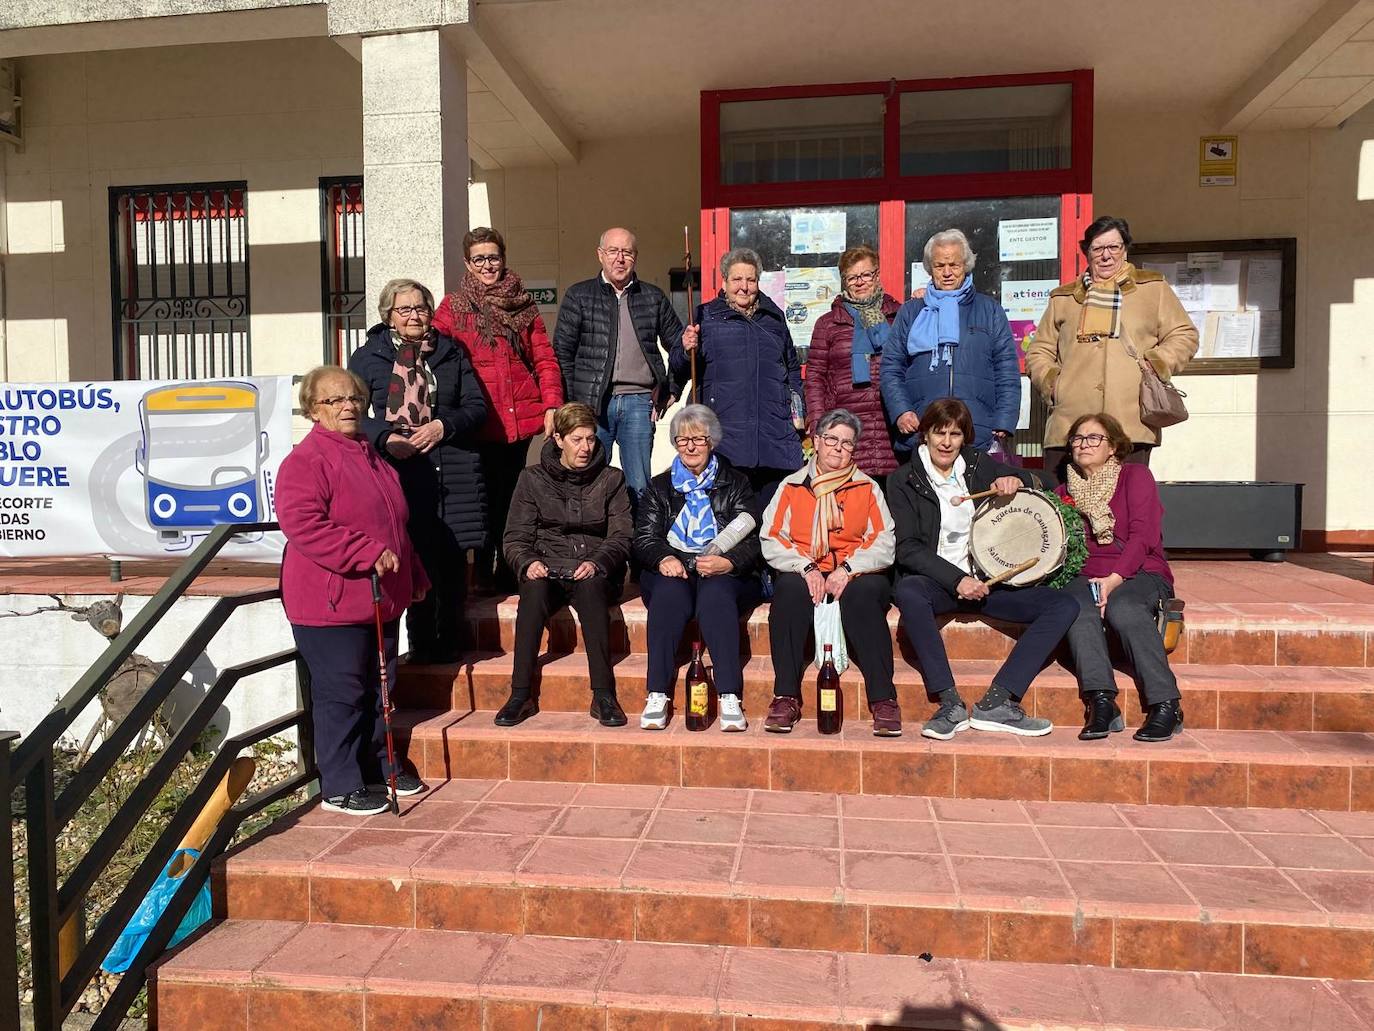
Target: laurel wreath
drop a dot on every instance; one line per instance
(1077, 552)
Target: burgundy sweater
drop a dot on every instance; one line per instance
(1138, 546)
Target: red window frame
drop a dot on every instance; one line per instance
(1073, 185)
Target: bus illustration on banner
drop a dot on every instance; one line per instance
(201, 456)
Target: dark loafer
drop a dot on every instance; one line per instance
(1162, 721)
(607, 711)
(1100, 716)
(516, 711)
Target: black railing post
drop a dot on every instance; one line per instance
(9, 963)
(44, 921)
(305, 733)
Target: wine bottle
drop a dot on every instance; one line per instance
(829, 700)
(698, 693)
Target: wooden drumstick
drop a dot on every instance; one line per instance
(1007, 574)
(960, 499)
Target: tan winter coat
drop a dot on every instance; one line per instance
(1085, 377)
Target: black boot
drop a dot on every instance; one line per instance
(1162, 721)
(517, 710)
(606, 710)
(1100, 716)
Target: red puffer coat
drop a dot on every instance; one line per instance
(830, 384)
(517, 392)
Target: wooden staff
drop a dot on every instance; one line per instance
(687, 269)
(1007, 574)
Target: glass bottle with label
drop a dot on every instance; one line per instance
(698, 692)
(829, 700)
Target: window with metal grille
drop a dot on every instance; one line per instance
(342, 279)
(179, 265)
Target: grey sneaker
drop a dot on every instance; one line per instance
(949, 719)
(1009, 718)
(655, 715)
(732, 714)
(361, 802)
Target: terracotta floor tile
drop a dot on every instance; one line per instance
(1311, 851)
(991, 839)
(498, 818)
(715, 800)
(1203, 848)
(781, 982)
(1359, 996)
(1264, 1004)
(389, 853)
(1140, 884)
(549, 969)
(1334, 952)
(485, 857)
(1240, 890)
(577, 861)
(377, 901)
(1132, 998)
(264, 895)
(991, 878)
(273, 1007)
(230, 954)
(799, 873)
(619, 796)
(1048, 995)
(444, 905)
(1074, 814)
(1171, 817)
(789, 829)
(334, 956)
(890, 835)
(424, 814)
(201, 1007)
(536, 792)
(1050, 938)
(677, 916)
(875, 987)
(1109, 844)
(699, 825)
(897, 874)
(461, 790)
(1337, 891)
(887, 807)
(1183, 944)
(947, 932)
(800, 803)
(636, 975)
(450, 961)
(978, 810)
(1271, 821)
(678, 865)
(789, 924)
(601, 822)
(288, 846)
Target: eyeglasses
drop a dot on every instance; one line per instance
(343, 399)
(407, 310)
(628, 253)
(481, 260)
(693, 441)
(1112, 249)
(830, 440)
(1091, 440)
(859, 278)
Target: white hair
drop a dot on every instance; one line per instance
(698, 417)
(740, 256)
(948, 236)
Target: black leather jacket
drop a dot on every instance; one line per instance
(659, 505)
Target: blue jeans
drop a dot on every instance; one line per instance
(628, 421)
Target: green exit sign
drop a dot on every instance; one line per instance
(545, 293)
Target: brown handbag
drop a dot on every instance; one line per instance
(1161, 403)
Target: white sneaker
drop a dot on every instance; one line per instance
(732, 714)
(655, 715)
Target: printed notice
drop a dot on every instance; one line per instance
(919, 276)
(818, 232)
(1221, 287)
(1262, 284)
(1028, 239)
(1235, 334)
(774, 286)
(810, 292)
(1026, 300)
(1270, 334)
(1188, 285)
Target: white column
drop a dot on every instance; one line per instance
(415, 159)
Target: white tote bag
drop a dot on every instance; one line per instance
(826, 620)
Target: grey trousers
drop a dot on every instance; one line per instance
(1131, 614)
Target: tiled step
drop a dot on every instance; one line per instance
(1278, 633)
(1279, 769)
(264, 976)
(1215, 697)
(1154, 887)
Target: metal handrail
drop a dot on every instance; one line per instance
(54, 905)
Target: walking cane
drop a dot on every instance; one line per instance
(386, 696)
(687, 267)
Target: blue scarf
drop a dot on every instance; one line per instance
(695, 525)
(936, 326)
(868, 340)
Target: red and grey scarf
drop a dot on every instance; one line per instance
(503, 309)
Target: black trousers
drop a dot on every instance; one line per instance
(1048, 612)
(438, 621)
(715, 601)
(345, 691)
(863, 615)
(1057, 460)
(540, 599)
(1131, 614)
(501, 465)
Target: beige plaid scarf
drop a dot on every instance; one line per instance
(1101, 315)
(1092, 495)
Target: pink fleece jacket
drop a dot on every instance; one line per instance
(1139, 540)
(340, 505)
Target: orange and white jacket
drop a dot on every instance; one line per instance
(864, 538)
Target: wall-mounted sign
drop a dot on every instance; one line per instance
(1217, 160)
(544, 292)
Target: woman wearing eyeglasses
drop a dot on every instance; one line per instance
(844, 361)
(681, 516)
(1130, 573)
(1080, 359)
(426, 408)
(495, 319)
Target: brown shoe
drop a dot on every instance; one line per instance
(783, 714)
(887, 718)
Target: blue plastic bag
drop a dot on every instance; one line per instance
(152, 907)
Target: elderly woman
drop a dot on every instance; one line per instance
(426, 405)
(680, 516)
(1086, 353)
(827, 531)
(929, 498)
(344, 516)
(495, 319)
(568, 538)
(843, 364)
(951, 342)
(1123, 516)
(748, 373)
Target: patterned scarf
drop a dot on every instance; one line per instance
(1101, 315)
(936, 326)
(1092, 495)
(503, 309)
(827, 516)
(871, 330)
(748, 312)
(695, 525)
(407, 393)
